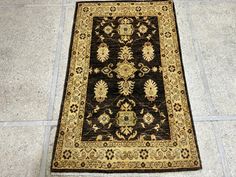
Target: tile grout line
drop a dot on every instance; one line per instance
(57, 59)
(200, 64)
(36, 5)
(221, 150)
(27, 123)
(72, 3)
(196, 47)
(43, 165)
(214, 118)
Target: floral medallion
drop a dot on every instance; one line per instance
(125, 70)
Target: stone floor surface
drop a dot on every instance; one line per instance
(34, 45)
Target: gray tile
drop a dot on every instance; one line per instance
(195, 86)
(27, 50)
(50, 149)
(208, 149)
(214, 32)
(74, 1)
(21, 150)
(26, 2)
(228, 134)
(69, 16)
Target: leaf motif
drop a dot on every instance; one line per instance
(119, 135)
(162, 114)
(126, 107)
(126, 87)
(142, 111)
(95, 128)
(148, 37)
(162, 121)
(132, 101)
(96, 109)
(133, 135)
(89, 122)
(89, 115)
(130, 41)
(138, 34)
(125, 53)
(110, 111)
(157, 127)
(155, 108)
(142, 125)
(109, 126)
(120, 102)
(126, 130)
(101, 37)
(153, 26)
(120, 41)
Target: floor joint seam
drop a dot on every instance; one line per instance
(43, 164)
(56, 64)
(201, 67)
(27, 123)
(221, 150)
(35, 5)
(72, 3)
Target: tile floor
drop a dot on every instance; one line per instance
(34, 43)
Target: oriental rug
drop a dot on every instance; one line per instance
(125, 106)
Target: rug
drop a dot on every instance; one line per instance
(125, 106)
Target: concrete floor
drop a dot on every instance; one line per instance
(34, 43)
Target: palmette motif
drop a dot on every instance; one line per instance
(125, 53)
(126, 87)
(103, 52)
(150, 89)
(125, 107)
(100, 91)
(148, 51)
